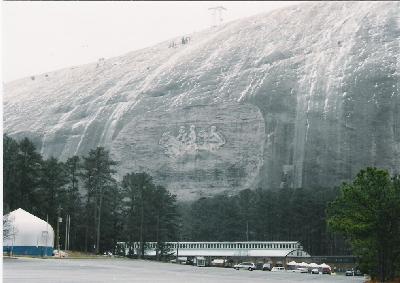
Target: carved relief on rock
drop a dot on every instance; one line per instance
(192, 142)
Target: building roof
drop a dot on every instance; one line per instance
(234, 249)
(235, 252)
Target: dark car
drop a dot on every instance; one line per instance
(259, 265)
(358, 273)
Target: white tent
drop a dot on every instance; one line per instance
(314, 265)
(29, 235)
(293, 263)
(304, 264)
(325, 266)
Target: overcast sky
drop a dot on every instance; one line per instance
(38, 37)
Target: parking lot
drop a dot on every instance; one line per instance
(125, 270)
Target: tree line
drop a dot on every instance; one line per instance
(102, 210)
(266, 215)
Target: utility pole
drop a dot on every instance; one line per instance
(216, 13)
(141, 222)
(179, 239)
(247, 230)
(47, 233)
(59, 220)
(67, 227)
(177, 251)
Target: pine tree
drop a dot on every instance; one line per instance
(29, 164)
(10, 174)
(367, 211)
(51, 189)
(166, 219)
(136, 188)
(97, 174)
(73, 205)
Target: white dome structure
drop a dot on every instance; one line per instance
(29, 235)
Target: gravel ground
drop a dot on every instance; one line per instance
(124, 270)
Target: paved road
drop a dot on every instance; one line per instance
(125, 270)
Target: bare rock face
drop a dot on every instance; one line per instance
(303, 96)
(196, 150)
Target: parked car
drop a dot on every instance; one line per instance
(326, 270)
(349, 272)
(218, 262)
(278, 268)
(266, 267)
(358, 273)
(245, 265)
(259, 265)
(315, 271)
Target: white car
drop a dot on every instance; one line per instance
(266, 266)
(278, 268)
(315, 271)
(245, 265)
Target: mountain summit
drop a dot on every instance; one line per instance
(303, 96)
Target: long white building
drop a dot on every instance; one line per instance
(229, 249)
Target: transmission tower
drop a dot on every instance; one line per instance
(216, 13)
